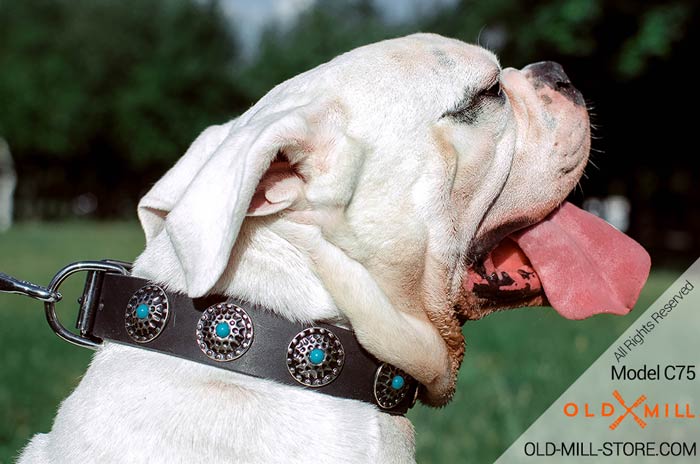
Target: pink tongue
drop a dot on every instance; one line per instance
(586, 266)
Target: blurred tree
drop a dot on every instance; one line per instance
(320, 33)
(659, 28)
(629, 33)
(114, 85)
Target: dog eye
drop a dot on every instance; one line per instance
(495, 91)
(469, 109)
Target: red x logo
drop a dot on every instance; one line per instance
(628, 410)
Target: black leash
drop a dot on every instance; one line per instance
(222, 332)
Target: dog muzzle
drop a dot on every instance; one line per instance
(222, 332)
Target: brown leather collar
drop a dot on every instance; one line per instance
(240, 337)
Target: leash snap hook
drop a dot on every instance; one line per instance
(9, 284)
(89, 300)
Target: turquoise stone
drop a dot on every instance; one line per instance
(317, 356)
(142, 311)
(397, 382)
(223, 329)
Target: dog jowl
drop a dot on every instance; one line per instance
(397, 190)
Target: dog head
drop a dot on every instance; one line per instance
(393, 189)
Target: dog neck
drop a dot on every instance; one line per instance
(264, 269)
(212, 414)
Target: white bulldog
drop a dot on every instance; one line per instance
(392, 190)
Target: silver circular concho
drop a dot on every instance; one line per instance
(386, 395)
(299, 362)
(230, 343)
(144, 327)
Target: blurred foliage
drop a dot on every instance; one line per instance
(634, 32)
(659, 28)
(135, 78)
(100, 95)
(523, 29)
(318, 35)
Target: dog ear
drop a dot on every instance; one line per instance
(161, 199)
(200, 203)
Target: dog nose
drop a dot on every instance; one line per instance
(552, 75)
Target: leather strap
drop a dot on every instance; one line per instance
(266, 357)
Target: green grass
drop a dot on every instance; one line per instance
(517, 362)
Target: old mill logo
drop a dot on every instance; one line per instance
(640, 411)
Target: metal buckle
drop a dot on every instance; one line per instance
(89, 300)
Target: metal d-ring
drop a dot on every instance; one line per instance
(87, 301)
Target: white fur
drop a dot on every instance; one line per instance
(371, 232)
